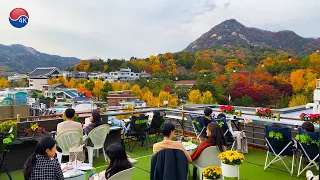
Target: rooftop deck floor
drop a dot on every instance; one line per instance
(251, 169)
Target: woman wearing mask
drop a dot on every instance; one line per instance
(42, 165)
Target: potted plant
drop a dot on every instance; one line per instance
(34, 130)
(228, 109)
(314, 118)
(230, 161)
(264, 113)
(276, 139)
(212, 172)
(306, 139)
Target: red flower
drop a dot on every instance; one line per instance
(268, 110)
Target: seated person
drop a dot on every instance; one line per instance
(95, 121)
(69, 124)
(141, 117)
(168, 133)
(118, 161)
(42, 164)
(215, 138)
(156, 122)
(207, 116)
(307, 126)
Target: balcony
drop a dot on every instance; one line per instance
(252, 168)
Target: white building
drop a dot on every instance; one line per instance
(38, 78)
(122, 75)
(16, 77)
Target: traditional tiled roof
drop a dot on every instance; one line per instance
(43, 72)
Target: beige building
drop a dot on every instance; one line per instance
(38, 78)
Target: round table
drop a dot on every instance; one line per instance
(189, 148)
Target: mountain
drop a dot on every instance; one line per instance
(234, 34)
(22, 59)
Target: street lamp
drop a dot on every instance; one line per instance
(148, 80)
(177, 78)
(290, 58)
(118, 79)
(205, 74)
(262, 65)
(318, 51)
(234, 70)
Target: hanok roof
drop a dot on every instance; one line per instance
(44, 72)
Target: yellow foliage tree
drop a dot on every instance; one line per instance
(163, 96)
(105, 68)
(117, 86)
(83, 65)
(315, 62)
(70, 83)
(207, 98)
(194, 97)
(298, 100)
(61, 79)
(136, 91)
(97, 88)
(126, 116)
(150, 100)
(52, 80)
(173, 101)
(297, 80)
(3, 83)
(126, 86)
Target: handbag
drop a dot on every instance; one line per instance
(76, 153)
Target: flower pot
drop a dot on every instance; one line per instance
(229, 170)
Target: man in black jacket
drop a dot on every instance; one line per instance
(169, 164)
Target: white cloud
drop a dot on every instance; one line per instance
(125, 28)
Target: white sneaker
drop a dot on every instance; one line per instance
(309, 174)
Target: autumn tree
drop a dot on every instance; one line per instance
(173, 101)
(83, 65)
(135, 89)
(117, 86)
(126, 86)
(70, 83)
(52, 80)
(104, 91)
(89, 85)
(61, 79)
(97, 88)
(3, 83)
(194, 97)
(297, 80)
(207, 98)
(203, 60)
(315, 62)
(163, 96)
(298, 100)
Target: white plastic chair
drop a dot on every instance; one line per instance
(98, 136)
(123, 175)
(208, 157)
(67, 140)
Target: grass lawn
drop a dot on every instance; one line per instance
(251, 169)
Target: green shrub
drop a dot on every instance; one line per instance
(5, 127)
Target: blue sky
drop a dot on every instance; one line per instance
(125, 28)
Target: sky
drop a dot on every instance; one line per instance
(140, 28)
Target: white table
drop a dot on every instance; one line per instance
(189, 148)
(72, 175)
(76, 175)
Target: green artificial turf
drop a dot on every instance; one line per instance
(251, 169)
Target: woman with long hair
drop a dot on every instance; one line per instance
(118, 161)
(95, 121)
(42, 165)
(215, 138)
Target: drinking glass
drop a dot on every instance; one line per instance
(189, 141)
